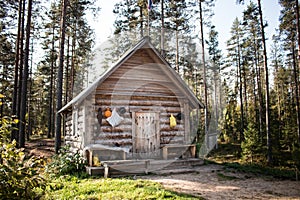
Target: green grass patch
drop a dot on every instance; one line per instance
(230, 156)
(279, 173)
(74, 188)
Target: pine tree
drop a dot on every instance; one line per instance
(59, 90)
(23, 103)
(288, 29)
(234, 58)
(252, 62)
(267, 93)
(7, 16)
(216, 63)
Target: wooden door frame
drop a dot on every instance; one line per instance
(134, 127)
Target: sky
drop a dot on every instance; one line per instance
(225, 13)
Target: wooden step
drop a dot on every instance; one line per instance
(137, 167)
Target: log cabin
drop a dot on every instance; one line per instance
(139, 108)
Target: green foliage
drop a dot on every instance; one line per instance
(256, 169)
(66, 162)
(296, 156)
(74, 188)
(251, 145)
(19, 175)
(6, 126)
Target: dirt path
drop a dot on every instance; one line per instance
(214, 182)
(40, 147)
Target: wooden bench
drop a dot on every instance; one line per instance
(179, 150)
(103, 153)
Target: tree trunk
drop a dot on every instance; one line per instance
(49, 134)
(298, 89)
(15, 103)
(268, 131)
(177, 52)
(162, 39)
(240, 90)
(295, 70)
(60, 76)
(23, 104)
(141, 22)
(29, 127)
(259, 91)
(204, 75)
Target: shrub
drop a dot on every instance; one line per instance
(251, 146)
(19, 174)
(66, 162)
(6, 126)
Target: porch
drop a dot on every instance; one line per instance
(119, 168)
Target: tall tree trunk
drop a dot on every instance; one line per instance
(60, 76)
(16, 70)
(259, 93)
(72, 73)
(50, 110)
(162, 39)
(240, 89)
(177, 52)
(296, 80)
(204, 74)
(67, 71)
(141, 22)
(23, 105)
(298, 89)
(29, 127)
(67, 79)
(239, 80)
(21, 66)
(267, 95)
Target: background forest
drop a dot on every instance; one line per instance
(46, 45)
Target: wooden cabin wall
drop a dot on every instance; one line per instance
(75, 128)
(68, 127)
(138, 85)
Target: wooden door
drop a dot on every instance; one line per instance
(146, 135)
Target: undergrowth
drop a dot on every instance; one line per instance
(230, 156)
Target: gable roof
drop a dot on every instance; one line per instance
(143, 42)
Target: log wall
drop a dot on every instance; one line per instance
(139, 85)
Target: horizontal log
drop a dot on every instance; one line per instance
(110, 142)
(113, 137)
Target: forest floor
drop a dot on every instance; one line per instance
(210, 181)
(213, 181)
(41, 147)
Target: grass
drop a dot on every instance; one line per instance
(229, 155)
(74, 188)
(256, 169)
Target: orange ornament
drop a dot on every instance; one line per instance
(107, 113)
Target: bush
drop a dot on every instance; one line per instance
(251, 146)
(66, 162)
(19, 176)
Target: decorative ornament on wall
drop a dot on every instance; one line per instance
(115, 119)
(122, 110)
(99, 116)
(172, 121)
(107, 113)
(179, 116)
